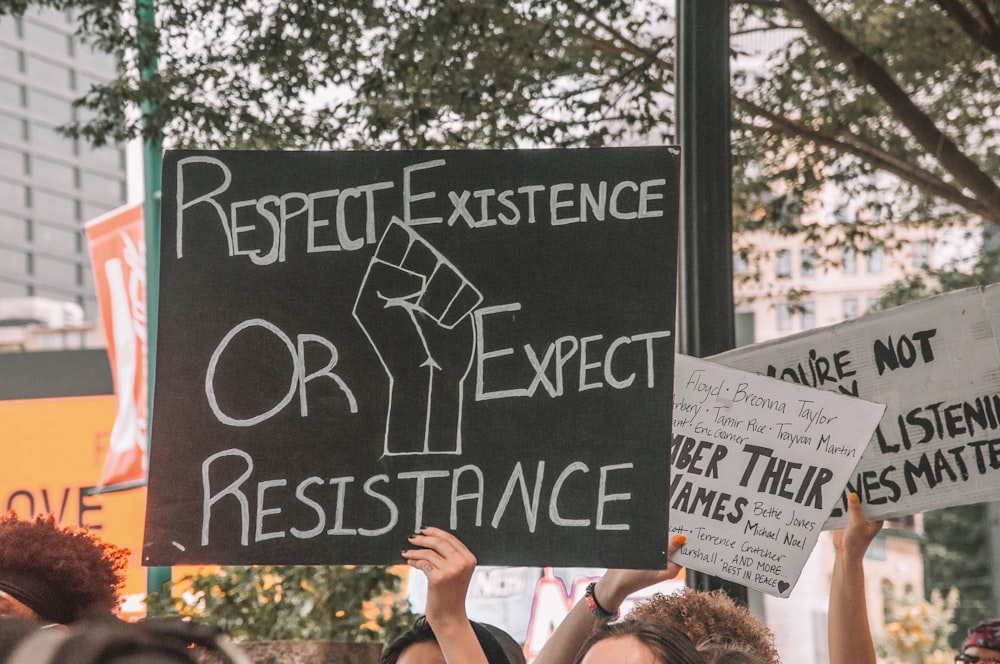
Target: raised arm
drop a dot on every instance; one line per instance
(849, 633)
(609, 593)
(448, 565)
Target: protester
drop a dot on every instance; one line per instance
(108, 640)
(721, 628)
(638, 642)
(726, 633)
(735, 635)
(849, 635)
(56, 574)
(982, 645)
(445, 634)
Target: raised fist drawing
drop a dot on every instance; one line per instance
(416, 309)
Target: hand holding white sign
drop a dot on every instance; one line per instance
(758, 464)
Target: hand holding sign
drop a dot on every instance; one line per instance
(617, 584)
(415, 308)
(449, 565)
(849, 632)
(758, 464)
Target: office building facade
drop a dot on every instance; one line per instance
(50, 185)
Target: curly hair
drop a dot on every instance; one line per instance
(712, 619)
(79, 574)
(667, 643)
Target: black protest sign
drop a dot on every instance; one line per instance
(934, 364)
(354, 345)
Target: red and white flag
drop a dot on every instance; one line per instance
(118, 258)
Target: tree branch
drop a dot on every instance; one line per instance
(935, 142)
(850, 144)
(985, 13)
(983, 32)
(629, 45)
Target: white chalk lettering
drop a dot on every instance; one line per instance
(554, 516)
(312, 507)
(550, 366)
(604, 497)
(299, 377)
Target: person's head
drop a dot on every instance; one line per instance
(638, 642)
(716, 651)
(982, 644)
(418, 645)
(714, 622)
(57, 574)
(108, 640)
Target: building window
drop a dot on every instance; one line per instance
(12, 92)
(873, 304)
(7, 288)
(37, 33)
(744, 323)
(48, 73)
(850, 308)
(850, 260)
(51, 140)
(56, 240)
(10, 26)
(783, 259)
(84, 82)
(14, 263)
(921, 254)
(100, 188)
(55, 272)
(876, 260)
(741, 265)
(10, 59)
(49, 107)
(53, 207)
(784, 317)
(808, 315)
(109, 157)
(53, 174)
(13, 194)
(94, 58)
(808, 262)
(12, 162)
(13, 229)
(11, 128)
(90, 211)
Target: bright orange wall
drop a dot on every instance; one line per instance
(51, 450)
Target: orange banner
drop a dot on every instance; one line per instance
(117, 254)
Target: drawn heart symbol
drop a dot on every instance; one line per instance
(782, 587)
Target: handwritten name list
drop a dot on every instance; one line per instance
(757, 465)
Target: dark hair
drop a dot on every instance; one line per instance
(61, 573)
(667, 643)
(111, 641)
(498, 646)
(420, 632)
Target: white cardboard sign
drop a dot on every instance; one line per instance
(936, 366)
(757, 464)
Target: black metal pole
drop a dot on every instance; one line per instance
(705, 320)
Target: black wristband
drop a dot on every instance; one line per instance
(595, 607)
